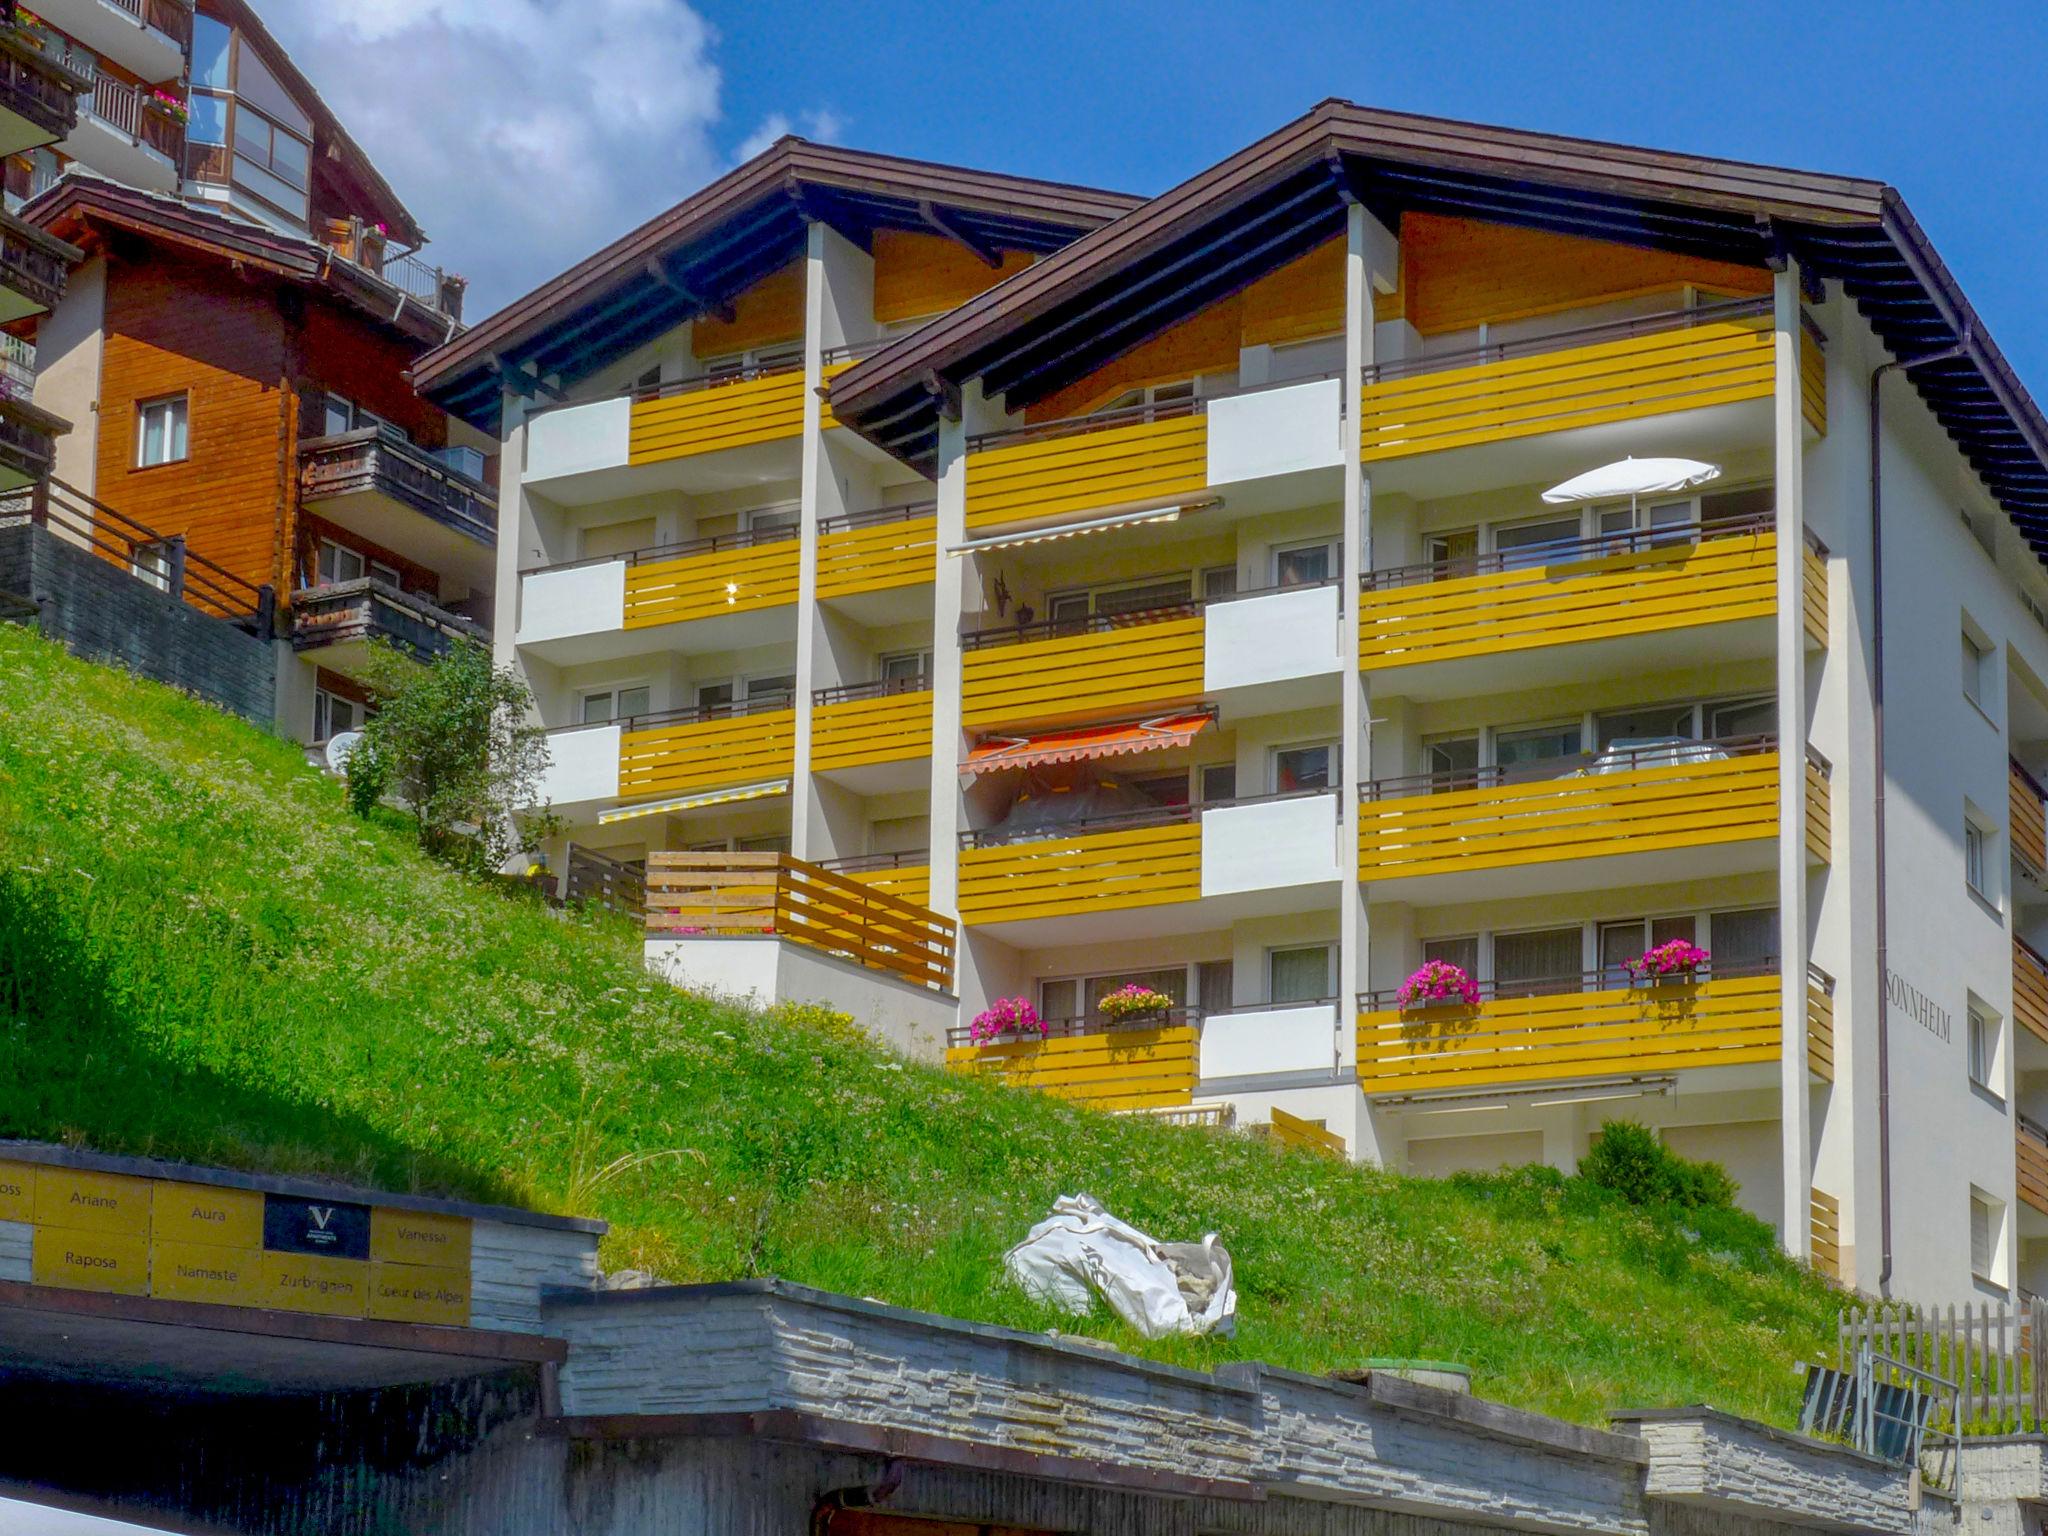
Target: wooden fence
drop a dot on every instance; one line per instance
(597, 881)
(1991, 1351)
(727, 895)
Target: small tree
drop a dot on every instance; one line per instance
(454, 744)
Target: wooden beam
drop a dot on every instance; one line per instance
(719, 309)
(953, 230)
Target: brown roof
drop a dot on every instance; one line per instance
(789, 163)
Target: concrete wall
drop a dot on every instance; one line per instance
(104, 614)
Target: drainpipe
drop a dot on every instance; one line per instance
(1959, 348)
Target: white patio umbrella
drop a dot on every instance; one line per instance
(1633, 478)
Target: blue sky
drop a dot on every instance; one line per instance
(528, 133)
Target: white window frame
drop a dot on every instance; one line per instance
(1977, 862)
(1331, 546)
(151, 562)
(178, 429)
(1329, 744)
(1987, 1266)
(1980, 669)
(1329, 949)
(923, 658)
(612, 691)
(1983, 1031)
(324, 702)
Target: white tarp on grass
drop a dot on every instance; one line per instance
(1081, 1251)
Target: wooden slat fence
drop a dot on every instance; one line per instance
(1990, 1350)
(725, 895)
(597, 881)
(1293, 1131)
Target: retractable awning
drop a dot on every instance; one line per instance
(1082, 743)
(693, 802)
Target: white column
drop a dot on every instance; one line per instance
(813, 467)
(1789, 474)
(948, 602)
(1351, 967)
(513, 530)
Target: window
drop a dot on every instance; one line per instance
(1142, 596)
(604, 704)
(617, 538)
(1455, 757)
(1528, 745)
(1303, 565)
(1463, 952)
(1457, 550)
(1743, 941)
(773, 842)
(1300, 974)
(338, 563)
(1667, 522)
(332, 714)
(1975, 861)
(1983, 1045)
(1740, 717)
(1976, 670)
(1542, 961)
(771, 687)
(910, 668)
(1305, 768)
(338, 415)
(1219, 581)
(1653, 723)
(1527, 544)
(160, 431)
(151, 562)
(1162, 788)
(1219, 783)
(762, 519)
(715, 696)
(1215, 984)
(1987, 1217)
(1622, 942)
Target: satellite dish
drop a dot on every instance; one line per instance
(339, 748)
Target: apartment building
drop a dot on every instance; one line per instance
(232, 353)
(1223, 606)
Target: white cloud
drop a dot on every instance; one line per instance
(823, 125)
(524, 134)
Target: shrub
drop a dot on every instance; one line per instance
(1630, 1161)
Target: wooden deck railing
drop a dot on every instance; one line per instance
(348, 463)
(2028, 818)
(1824, 1233)
(2030, 1152)
(370, 609)
(1152, 1065)
(2030, 988)
(1309, 1135)
(729, 895)
(1820, 1023)
(597, 881)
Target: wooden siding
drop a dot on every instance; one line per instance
(1083, 470)
(918, 275)
(1297, 302)
(1608, 381)
(1716, 581)
(1506, 1041)
(707, 754)
(1456, 272)
(892, 729)
(2032, 1159)
(1309, 1135)
(173, 327)
(1813, 597)
(1115, 1069)
(1813, 380)
(1082, 872)
(1820, 813)
(1820, 1030)
(716, 582)
(768, 313)
(680, 426)
(2030, 990)
(1689, 805)
(878, 558)
(1047, 682)
(2028, 819)
(909, 882)
(1824, 1233)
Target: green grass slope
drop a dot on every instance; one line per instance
(202, 956)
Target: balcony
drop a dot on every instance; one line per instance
(2030, 989)
(2030, 1153)
(38, 96)
(1111, 864)
(338, 626)
(884, 550)
(707, 748)
(870, 726)
(1060, 670)
(906, 876)
(33, 269)
(28, 445)
(1820, 1024)
(403, 498)
(699, 897)
(1686, 810)
(362, 246)
(1684, 360)
(124, 133)
(2028, 820)
(1585, 1027)
(1640, 597)
(1143, 1065)
(145, 37)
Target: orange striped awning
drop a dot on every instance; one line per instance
(1081, 743)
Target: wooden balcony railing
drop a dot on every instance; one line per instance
(169, 17)
(1820, 1023)
(711, 414)
(2028, 818)
(2030, 988)
(1820, 807)
(690, 749)
(1590, 376)
(1589, 1028)
(30, 268)
(885, 722)
(2030, 1151)
(367, 460)
(728, 895)
(174, 568)
(1824, 1233)
(596, 881)
(705, 578)
(1146, 1064)
(1572, 808)
(132, 110)
(906, 876)
(1102, 460)
(36, 89)
(1065, 669)
(878, 551)
(1146, 860)
(369, 609)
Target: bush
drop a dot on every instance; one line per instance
(1629, 1160)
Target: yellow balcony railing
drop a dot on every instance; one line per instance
(2030, 988)
(1149, 860)
(877, 551)
(728, 895)
(1824, 1232)
(1585, 1027)
(1151, 1065)
(1820, 1023)
(1615, 587)
(1813, 593)
(1061, 670)
(2030, 1150)
(1820, 808)
(1688, 360)
(1693, 795)
(679, 421)
(2027, 818)
(730, 573)
(1103, 460)
(871, 723)
(696, 749)
(906, 876)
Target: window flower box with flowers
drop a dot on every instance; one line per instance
(1007, 1018)
(1131, 1001)
(1436, 984)
(1675, 960)
(165, 105)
